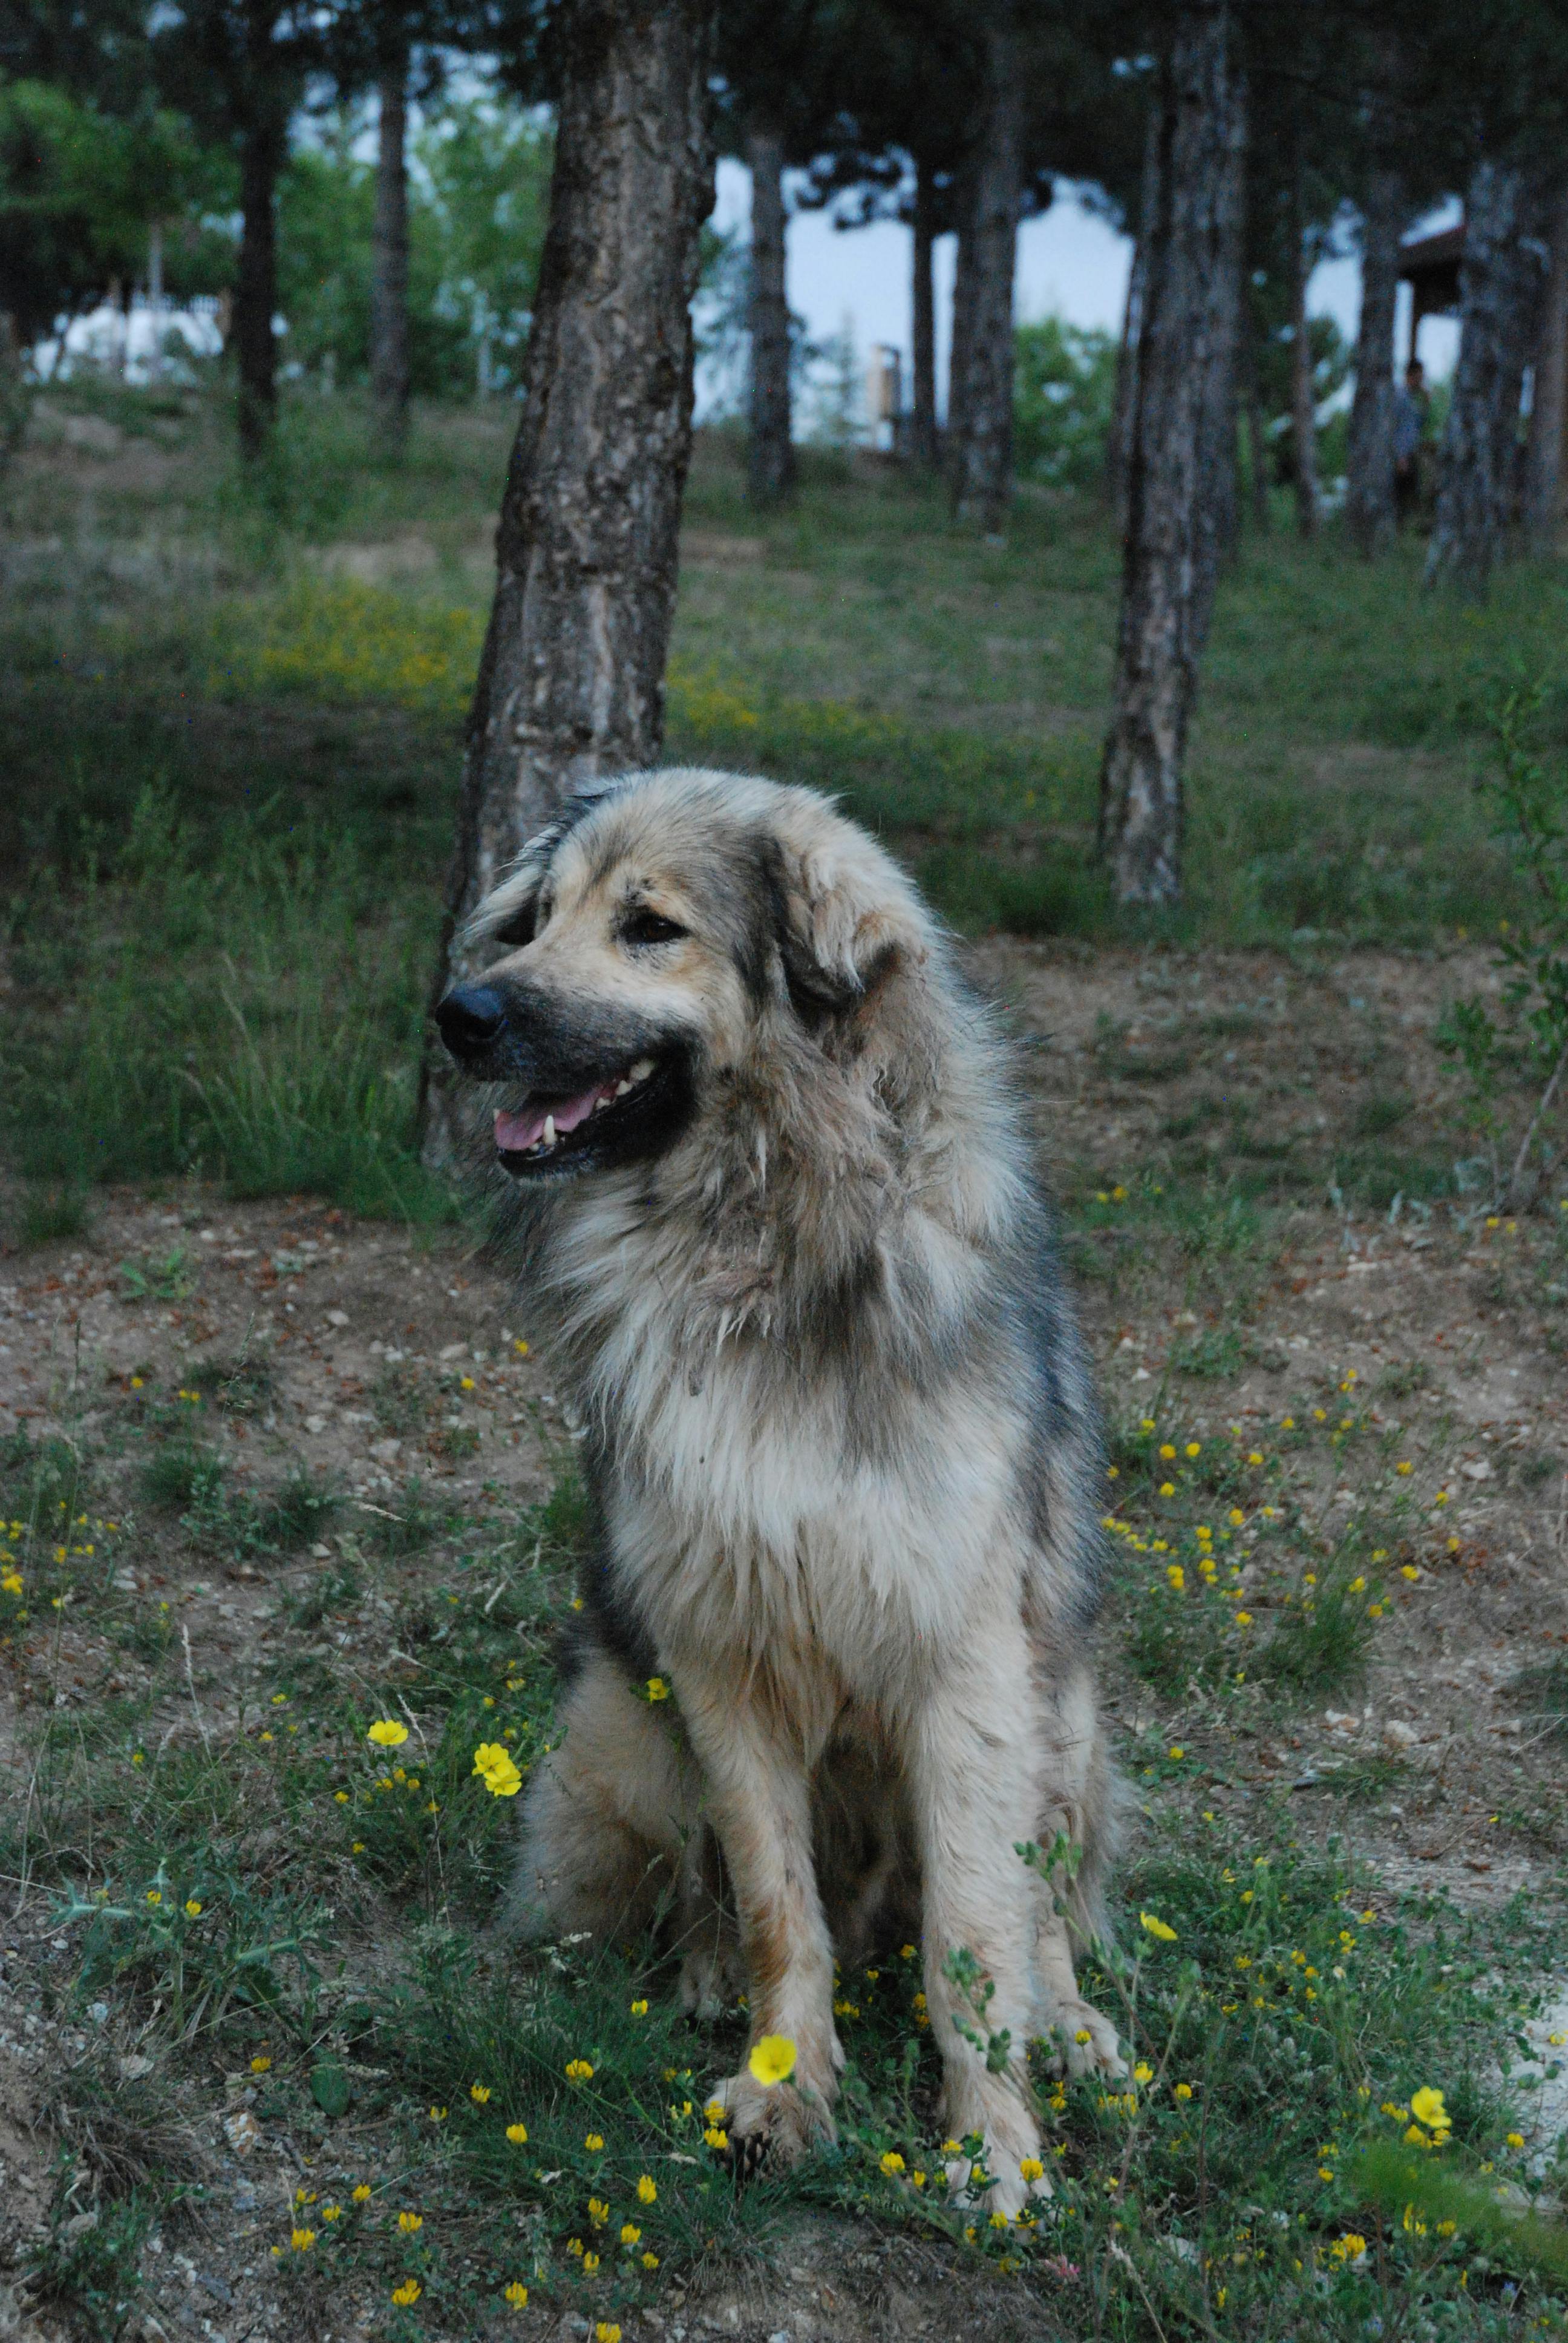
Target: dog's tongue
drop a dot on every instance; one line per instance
(517, 1133)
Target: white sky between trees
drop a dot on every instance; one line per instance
(1071, 261)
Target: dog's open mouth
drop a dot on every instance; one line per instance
(553, 1129)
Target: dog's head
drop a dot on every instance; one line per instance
(646, 937)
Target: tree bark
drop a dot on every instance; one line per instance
(1370, 512)
(389, 263)
(924, 391)
(1543, 458)
(571, 680)
(1253, 398)
(255, 287)
(1498, 291)
(965, 193)
(1186, 374)
(1124, 406)
(770, 455)
(982, 455)
(1303, 403)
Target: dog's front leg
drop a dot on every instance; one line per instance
(759, 1799)
(971, 1763)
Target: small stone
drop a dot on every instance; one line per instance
(337, 1317)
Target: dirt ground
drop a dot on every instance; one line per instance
(391, 1352)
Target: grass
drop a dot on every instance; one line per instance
(229, 1892)
(233, 712)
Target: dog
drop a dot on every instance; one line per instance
(772, 1184)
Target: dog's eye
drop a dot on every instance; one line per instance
(648, 927)
(517, 931)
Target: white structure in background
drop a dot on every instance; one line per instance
(142, 345)
(885, 396)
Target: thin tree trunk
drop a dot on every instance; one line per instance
(1257, 445)
(1370, 510)
(1187, 355)
(1303, 403)
(1222, 460)
(1498, 289)
(965, 193)
(925, 318)
(770, 453)
(389, 263)
(1543, 458)
(983, 453)
(256, 288)
(571, 681)
(1125, 408)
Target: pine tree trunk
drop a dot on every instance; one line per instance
(1257, 445)
(1186, 374)
(255, 286)
(1543, 460)
(1370, 511)
(1498, 289)
(965, 192)
(981, 471)
(1124, 404)
(925, 320)
(389, 264)
(1303, 403)
(770, 455)
(571, 681)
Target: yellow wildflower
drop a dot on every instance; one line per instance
(772, 2058)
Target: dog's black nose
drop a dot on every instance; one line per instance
(471, 1019)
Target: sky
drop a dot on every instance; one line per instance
(1069, 261)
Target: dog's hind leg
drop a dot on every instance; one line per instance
(607, 1817)
(712, 1971)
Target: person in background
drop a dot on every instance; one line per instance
(1413, 405)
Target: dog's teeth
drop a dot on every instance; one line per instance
(550, 1131)
(641, 1071)
(621, 1088)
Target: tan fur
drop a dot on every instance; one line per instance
(843, 1450)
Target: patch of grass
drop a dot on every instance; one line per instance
(184, 1472)
(240, 1385)
(48, 1212)
(1217, 1354)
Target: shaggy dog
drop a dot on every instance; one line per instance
(775, 1190)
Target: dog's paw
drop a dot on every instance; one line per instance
(1081, 2042)
(712, 1977)
(1008, 2169)
(775, 2124)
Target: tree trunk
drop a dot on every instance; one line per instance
(1124, 407)
(1187, 358)
(1543, 459)
(770, 456)
(571, 681)
(925, 320)
(1257, 445)
(256, 288)
(1370, 511)
(1303, 403)
(981, 474)
(389, 264)
(965, 191)
(1498, 290)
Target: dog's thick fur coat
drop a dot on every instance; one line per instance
(839, 1440)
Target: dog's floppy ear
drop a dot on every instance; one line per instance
(507, 913)
(847, 916)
